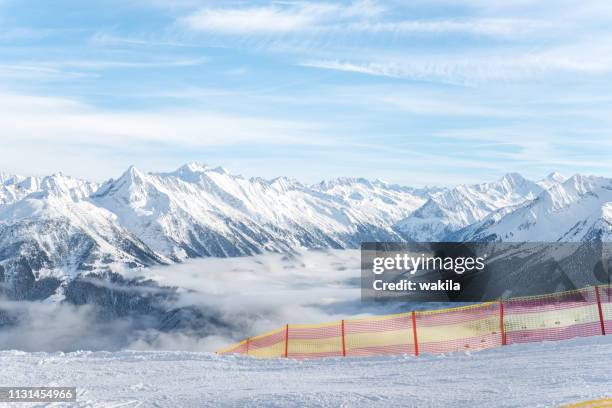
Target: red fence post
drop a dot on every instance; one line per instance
(414, 334)
(501, 323)
(287, 341)
(601, 319)
(343, 341)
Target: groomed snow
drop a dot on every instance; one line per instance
(531, 375)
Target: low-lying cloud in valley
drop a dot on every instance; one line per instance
(199, 305)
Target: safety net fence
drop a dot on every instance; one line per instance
(556, 316)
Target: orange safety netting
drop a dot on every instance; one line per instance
(557, 316)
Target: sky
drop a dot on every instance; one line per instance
(416, 92)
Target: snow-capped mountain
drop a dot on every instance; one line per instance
(579, 209)
(451, 210)
(46, 235)
(198, 211)
(13, 188)
(552, 179)
(57, 227)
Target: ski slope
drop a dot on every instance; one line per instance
(528, 375)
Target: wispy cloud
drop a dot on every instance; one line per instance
(39, 130)
(23, 33)
(438, 106)
(273, 87)
(20, 71)
(102, 38)
(99, 64)
(370, 68)
(590, 57)
(280, 17)
(65, 120)
(363, 16)
(260, 19)
(495, 27)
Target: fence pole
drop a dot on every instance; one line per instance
(601, 319)
(414, 334)
(287, 341)
(343, 341)
(247, 345)
(501, 323)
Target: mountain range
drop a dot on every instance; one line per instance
(59, 227)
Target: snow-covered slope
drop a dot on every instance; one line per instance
(551, 180)
(48, 235)
(13, 188)
(526, 375)
(579, 209)
(449, 211)
(384, 203)
(60, 226)
(198, 211)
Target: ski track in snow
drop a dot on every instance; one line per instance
(529, 375)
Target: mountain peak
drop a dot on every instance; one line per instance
(145, 218)
(513, 178)
(132, 170)
(584, 183)
(553, 179)
(132, 174)
(192, 167)
(6, 178)
(556, 177)
(344, 182)
(514, 184)
(190, 172)
(220, 170)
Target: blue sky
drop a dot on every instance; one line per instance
(414, 92)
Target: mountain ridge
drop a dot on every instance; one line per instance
(59, 226)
